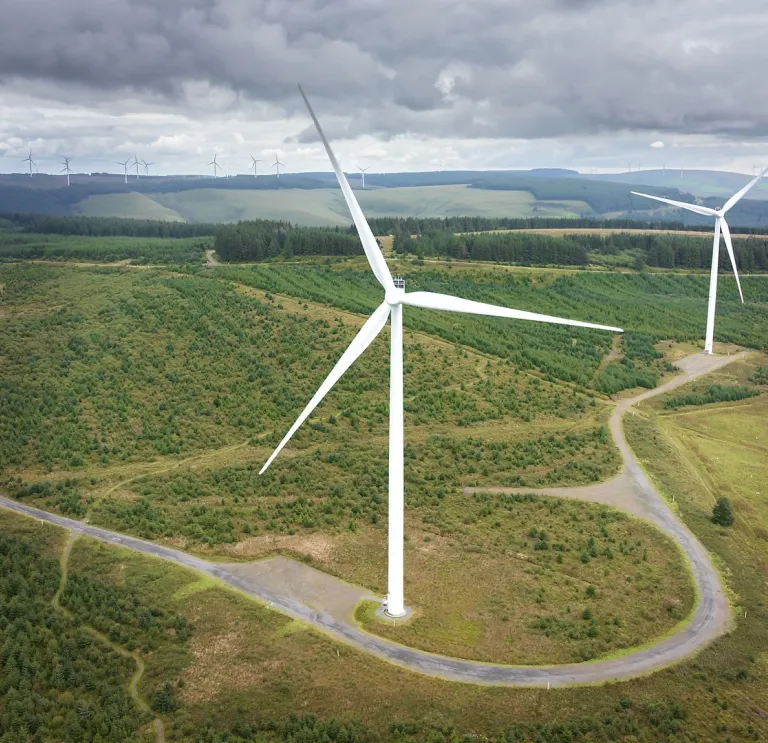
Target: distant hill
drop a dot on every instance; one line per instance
(702, 183)
(315, 199)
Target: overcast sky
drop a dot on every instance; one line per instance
(398, 84)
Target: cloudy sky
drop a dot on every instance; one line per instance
(398, 84)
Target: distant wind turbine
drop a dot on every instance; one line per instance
(395, 297)
(276, 165)
(254, 165)
(66, 169)
(136, 163)
(216, 166)
(720, 226)
(31, 162)
(363, 171)
(146, 166)
(125, 168)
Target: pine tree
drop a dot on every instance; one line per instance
(722, 513)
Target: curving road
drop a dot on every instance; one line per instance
(630, 490)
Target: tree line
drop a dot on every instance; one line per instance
(522, 247)
(419, 225)
(526, 248)
(263, 239)
(44, 224)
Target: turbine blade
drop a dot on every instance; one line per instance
(729, 247)
(740, 194)
(362, 340)
(432, 301)
(371, 247)
(705, 210)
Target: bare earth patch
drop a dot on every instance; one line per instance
(318, 546)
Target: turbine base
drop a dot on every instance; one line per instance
(384, 613)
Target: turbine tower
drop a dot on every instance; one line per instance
(66, 168)
(125, 167)
(395, 297)
(363, 171)
(136, 163)
(146, 166)
(29, 160)
(254, 165)
(216, 166)
(276, 165)
(720, 226)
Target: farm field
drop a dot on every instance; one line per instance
(324, 206)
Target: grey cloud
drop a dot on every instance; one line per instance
(484, 69)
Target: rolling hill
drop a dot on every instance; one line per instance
(314, 199)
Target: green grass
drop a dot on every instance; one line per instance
(530, 579)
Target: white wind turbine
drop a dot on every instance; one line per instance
(28, 159)
(254, 164)
(277, 165)
(392, 306)
(363, 171)
(125, 167)
(136, 162)
(66, 169)
(146, 166)
(216, 166)
(720, 226)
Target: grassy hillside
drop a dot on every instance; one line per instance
(325, 207)
(701, 183)
(130, 205)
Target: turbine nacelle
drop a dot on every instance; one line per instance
(395, 294)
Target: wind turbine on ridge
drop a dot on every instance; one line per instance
(125, 167)
(216, 166)
(276, 165)
(720, 226)
(254, 164)
(395, 297)
(66, 169)
(146, 166)
(363, 171)
(29, 160)
(136, 163)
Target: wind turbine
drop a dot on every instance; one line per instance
(136, 163)
(216, 166)
(146, 166)
(276, 165)
(66, 168)
(720, 226)
(125, 168)
(254, 164)
(392, 307)
(29, 160)
(363, 171)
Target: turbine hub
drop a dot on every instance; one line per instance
(394, 295)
